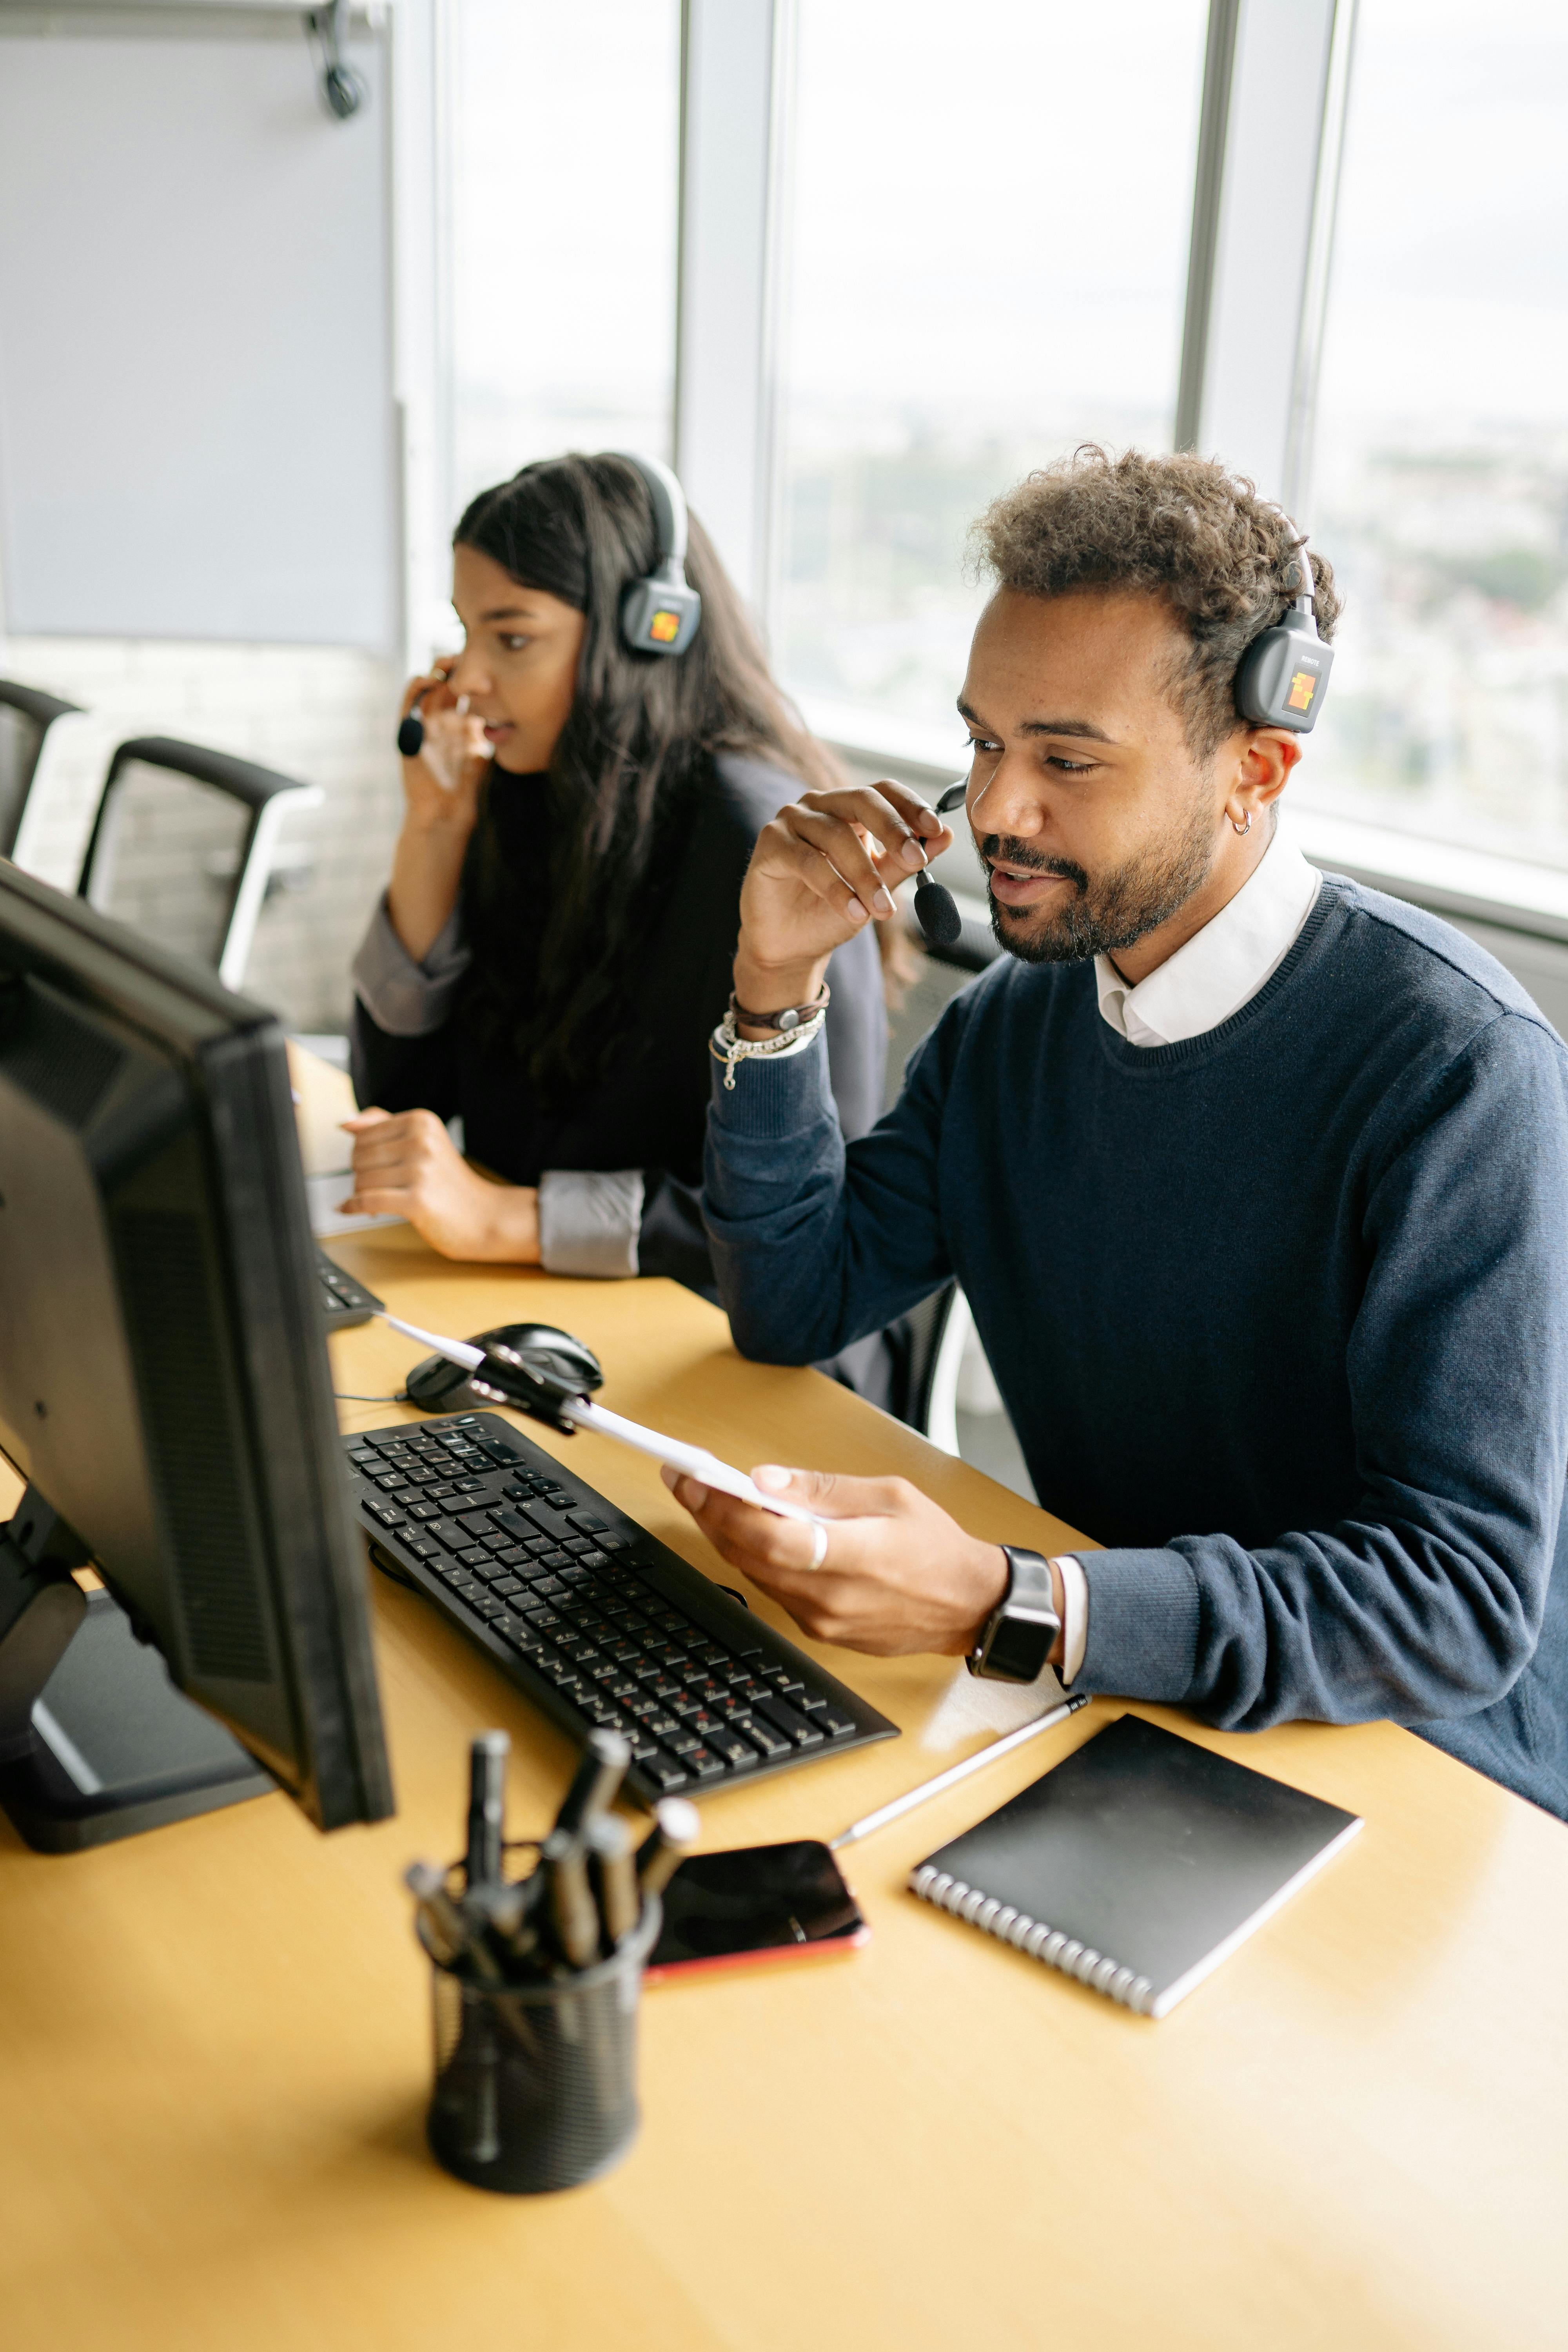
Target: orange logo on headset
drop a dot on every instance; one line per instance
(1301, 688)
(664, 628)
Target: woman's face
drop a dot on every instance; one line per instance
(519, 665)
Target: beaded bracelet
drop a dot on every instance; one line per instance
(728, 1047)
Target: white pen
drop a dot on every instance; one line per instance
(695, 1461)
(956, 1772)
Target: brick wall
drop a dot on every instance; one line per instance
(322, 715)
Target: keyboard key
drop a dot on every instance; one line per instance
(519, 1634)
(386, 1514)
(593, 1559)
(680, 1742)
(664, 1689)
(601, 1711)
(641, 1743)
(547, 1519)
(503, 1587)
(587, 1524)
(421, 1546)
(663, 1727)
(809, 1702)
(704, 1725)
(554, 1557)
(797, 1728)
(835, 1722)
(423, 1511)
(614, 1543)
(782, 1680)
(763, 1737)
(474, 1555)
(484, 1604)
(732, 1748)
(580, 1653)
(665, 1773)
(702, 1764)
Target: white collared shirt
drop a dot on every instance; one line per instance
(1220, 969)
(1223, 966)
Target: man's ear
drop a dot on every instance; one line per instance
(1268, 754)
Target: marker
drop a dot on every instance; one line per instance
(677, 1826)
(570, 1898)
(620, 1904)
(451, 1931)
(604, 1766)
(486, 1808)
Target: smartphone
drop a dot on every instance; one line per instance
(753, 1904)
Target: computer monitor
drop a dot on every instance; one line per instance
(164, 1392)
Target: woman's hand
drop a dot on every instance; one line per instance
(408, 1166)
(826, 866)
(897, 1576)
(441, 786)
(441, 796)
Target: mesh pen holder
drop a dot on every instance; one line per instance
(536, 2083)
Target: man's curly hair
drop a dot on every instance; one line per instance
(1178, 527)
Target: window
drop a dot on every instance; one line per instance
(565, 137)
(1442, 439)
(987, 249)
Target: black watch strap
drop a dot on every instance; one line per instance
(1017, 1639)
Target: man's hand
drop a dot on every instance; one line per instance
(408, 1166)
(899, 1575)
(826, 866)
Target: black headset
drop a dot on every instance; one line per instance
(661, 614)
(1280, 682)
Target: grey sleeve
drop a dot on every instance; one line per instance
(590, 1224)
(404, 998)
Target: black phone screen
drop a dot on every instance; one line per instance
(754, 1899)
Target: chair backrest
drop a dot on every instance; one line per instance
(26, 717)
(184, 843)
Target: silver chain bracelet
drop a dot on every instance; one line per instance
(727, 1046)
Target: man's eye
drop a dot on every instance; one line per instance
(982, 743)
(1071, 767)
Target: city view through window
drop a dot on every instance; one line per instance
(1441, 476)
(565, 138)
(984, 270)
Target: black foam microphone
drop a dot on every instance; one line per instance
(936, 909)
(411, 734)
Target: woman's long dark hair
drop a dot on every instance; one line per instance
(554, 949)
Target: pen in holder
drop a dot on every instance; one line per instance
(536, 2081)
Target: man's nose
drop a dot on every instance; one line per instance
(1009, 800)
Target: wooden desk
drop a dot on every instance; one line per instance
(216, 2062)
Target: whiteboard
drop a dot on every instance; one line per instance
(197, 433)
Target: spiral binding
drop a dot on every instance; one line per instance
(1032, 1936)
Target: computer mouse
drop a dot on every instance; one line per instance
(437, 1385)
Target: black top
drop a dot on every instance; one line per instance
(649, 1109)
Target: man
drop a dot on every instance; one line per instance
(1255, 1181)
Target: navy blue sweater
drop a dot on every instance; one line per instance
(1280, 1313)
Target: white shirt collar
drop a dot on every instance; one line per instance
(1222, 967)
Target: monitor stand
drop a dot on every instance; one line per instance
(96, 1743)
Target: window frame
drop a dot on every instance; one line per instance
(1276, 85)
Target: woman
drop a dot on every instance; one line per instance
(554, 947)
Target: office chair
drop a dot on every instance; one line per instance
(26, 718)
(931, 1337)
(185, 846)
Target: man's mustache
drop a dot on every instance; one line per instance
(1008, 851)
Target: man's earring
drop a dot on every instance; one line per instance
(1242, 828)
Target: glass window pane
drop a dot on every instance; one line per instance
(1441, 486)
(990, 210)
(565, 140)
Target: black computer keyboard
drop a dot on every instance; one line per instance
(588, 1615)
(344, 1300)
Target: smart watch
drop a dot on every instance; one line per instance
(1017, 1639)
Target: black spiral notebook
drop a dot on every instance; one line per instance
(1138, 1864)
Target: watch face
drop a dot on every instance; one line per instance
(1019, 1646)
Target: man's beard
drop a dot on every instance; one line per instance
(1102, 916)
